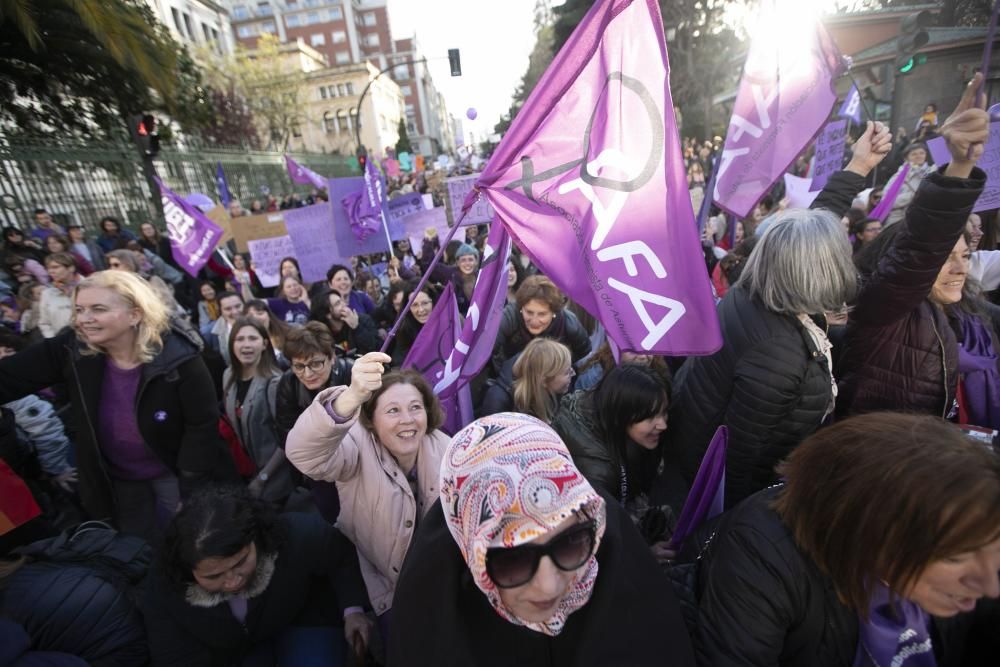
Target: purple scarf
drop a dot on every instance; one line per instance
(897, 633)
(977, 363)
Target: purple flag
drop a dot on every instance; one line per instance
(829, 155)
(882, 209)
(301, 174)
(707, 496)
(851, 108)
(432, 347)
(220, 180)
(785, 97)
(193, 236)
(590, 182)
(366, 208)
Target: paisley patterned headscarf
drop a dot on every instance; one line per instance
(506, 480)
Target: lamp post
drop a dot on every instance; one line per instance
(357, 111)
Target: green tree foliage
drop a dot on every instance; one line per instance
(84, 65)
(951, 12)
(403, 144)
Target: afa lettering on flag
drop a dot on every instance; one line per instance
(304, 175)
(193, 236)
(851, 108)
(220, 180)
(785, 97)
(432, 346)
(590, 183)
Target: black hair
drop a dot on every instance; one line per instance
(39, 210)
(217, 522)
(226, 294)
(410, 328)
(628, 394)
(319, 309)
(337, 268)
(868, 257)
(112, 219)
(10, 339)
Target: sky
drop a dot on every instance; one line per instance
(495, 39)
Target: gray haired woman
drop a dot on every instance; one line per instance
(771, 383)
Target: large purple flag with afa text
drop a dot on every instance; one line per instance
(304, 175)
(193, 236)
(590, 182)
(785, 97)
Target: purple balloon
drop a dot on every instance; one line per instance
(471, 113)
(204, 202)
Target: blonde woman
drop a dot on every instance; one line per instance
(531, 381)
(146, 416)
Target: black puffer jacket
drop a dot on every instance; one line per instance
(176, 410)
(513, 336)
(768, 384)
(762, 603)
(293, 398)
(900, 352)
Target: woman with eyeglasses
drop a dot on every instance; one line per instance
(522, 562)
(413, 322)
(378, 439)
(532, 382)
(539, 312)
(251, 387)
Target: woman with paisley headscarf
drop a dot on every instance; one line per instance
(523, 563)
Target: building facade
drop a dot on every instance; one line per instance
(196, 23)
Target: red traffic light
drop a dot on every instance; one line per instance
(147, 125)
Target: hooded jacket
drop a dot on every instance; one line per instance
(513, 336)
(175, 409)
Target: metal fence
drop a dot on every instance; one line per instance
(81, 183)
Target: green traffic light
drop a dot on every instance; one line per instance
(907, 67)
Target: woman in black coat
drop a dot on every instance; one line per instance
(523, 563)
(884, 542)
(146, 415)
(236, 585)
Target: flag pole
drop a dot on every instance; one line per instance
(430, 267)
(861, 98)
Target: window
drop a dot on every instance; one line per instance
(410, 110)
(322, 92)
(401, 73)
(343, 124)
(343, 57)
(206, 32)
(293, 20)
(240, 13)
(313, 18)
(177, 20)
(329, 122)
(269, 27)
(190, 28)
(369, 19)
(334, 14)
(411, 127)
(350, 88)
(406, 90)
(340, 90)
(246, 31)
(372, 40)
(319, 39)
(339, 37)
(264, 9)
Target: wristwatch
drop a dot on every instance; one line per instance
(262, 476)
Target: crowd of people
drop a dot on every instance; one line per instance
(211, 472)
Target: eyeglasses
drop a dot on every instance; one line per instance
(316, 365)
(510, 568)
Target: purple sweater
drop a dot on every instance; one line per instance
(126, 454)
(290, 313)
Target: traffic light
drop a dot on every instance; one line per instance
(455, 61)
(912, 37)
(362, 154)
(144, 133)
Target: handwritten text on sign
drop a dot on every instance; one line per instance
(829, 155)
(267, 255)
(989, 162)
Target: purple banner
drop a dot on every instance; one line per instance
(851, 108)
(364, 208)
(404, 205)
(311, 229)
(303, 175)
(829, 155)
(785, 96)
(707, 496)
(590, 182)
(348, 243)
(193, 236)
(458, 189)
(430, 352)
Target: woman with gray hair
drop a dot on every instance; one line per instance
(771, 383)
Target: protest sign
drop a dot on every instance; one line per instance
(829, 155)
(312, 234)
(267, 255)
(403, 205)
(989, 162)
(220, 216)
(797, 191)
(263, 226)
(458, 189)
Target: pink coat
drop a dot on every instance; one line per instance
(377, 509)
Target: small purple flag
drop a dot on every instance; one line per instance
(301, 174)
(882, 209)
(590, 183)
(365, 209)
(430, 352)
(851, 108)
(220, 180)
(193, 236)
(707, 496)
(785, 97)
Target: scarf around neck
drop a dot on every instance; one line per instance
(897, 634)
(506, 480)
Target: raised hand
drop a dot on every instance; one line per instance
(966, 131)
(870, 148)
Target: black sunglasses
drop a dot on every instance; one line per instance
(516, 566)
